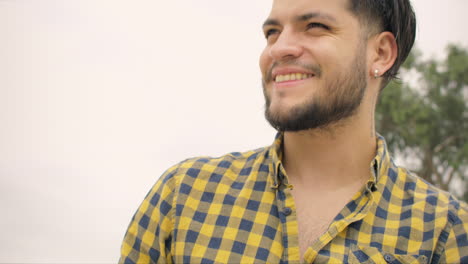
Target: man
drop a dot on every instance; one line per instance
(326, 191)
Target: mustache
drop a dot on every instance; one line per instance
(315, 68)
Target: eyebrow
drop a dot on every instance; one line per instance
(301, 18)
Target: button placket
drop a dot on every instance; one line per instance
(286, 213)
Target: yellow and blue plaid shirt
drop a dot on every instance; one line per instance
(239, 209)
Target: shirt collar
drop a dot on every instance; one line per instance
(276, 152)
(378, 166)
(381, 162)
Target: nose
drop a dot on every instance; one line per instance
(287, 46)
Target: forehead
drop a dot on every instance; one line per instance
(285, 9)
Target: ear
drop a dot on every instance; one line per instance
(384, 53)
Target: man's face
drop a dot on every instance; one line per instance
(314, 64)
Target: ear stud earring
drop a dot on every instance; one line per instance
(376, 73)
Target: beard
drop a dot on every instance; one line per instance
(341, 98)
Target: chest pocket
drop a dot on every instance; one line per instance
(370, 255)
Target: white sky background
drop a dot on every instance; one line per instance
(99, 97)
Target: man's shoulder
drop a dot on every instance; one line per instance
(207, 168)
(418, 192)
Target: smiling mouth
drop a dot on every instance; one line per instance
(292, 77)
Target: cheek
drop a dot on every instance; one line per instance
(264, 61)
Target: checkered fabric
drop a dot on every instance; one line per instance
(239, 209)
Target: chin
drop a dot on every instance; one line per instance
(284, 106)
(280, 112)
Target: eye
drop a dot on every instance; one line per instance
(317, 25)
(270, 32)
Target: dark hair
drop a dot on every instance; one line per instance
(395, 16)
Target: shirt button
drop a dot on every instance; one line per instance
(389, 258)
(287, 211)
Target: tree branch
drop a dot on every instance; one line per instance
(439, 178)
(444, 144)
(451, 175)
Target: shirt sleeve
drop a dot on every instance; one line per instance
(149, 234)
(456, 249)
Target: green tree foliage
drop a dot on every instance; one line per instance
(424, 118)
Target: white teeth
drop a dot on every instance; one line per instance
(292, 77)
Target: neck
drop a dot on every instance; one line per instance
(331, 157)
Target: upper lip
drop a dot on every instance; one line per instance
(288, 70)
